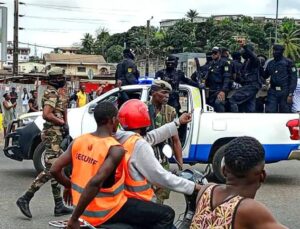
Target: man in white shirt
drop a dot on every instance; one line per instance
(25, 99)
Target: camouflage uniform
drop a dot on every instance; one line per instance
(166, 115)
(52, 137)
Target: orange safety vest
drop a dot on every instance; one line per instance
(88, 155)
(140, 189)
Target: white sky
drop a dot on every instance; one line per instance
(119, 16)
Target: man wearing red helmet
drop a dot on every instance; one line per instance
(141, 166)
(97, 180)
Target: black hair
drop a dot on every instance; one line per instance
(5, 94)
(104, 111)
(242, 154)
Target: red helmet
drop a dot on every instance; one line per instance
(134, 115)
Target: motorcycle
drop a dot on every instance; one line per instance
(184, 220)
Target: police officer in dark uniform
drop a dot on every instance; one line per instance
(174, 77)
(201, 72)
(283, 82)
(127, 72)
(244, 97)
(218, 79)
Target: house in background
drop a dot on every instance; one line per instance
(81, 67)
(67, 50)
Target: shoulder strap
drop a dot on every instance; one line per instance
(152, 116)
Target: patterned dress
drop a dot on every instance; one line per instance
(221, 217)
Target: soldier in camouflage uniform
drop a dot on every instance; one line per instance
(55, 113)
(160, 114)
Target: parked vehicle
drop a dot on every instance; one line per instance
(203, 139)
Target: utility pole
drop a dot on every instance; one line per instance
(147, 48)
(16, 38)
(276, 22)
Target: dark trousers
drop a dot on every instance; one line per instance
(277, 102)
(144, 215)
(218, 105)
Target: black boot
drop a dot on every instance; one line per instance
(23, 204)
(60, 209)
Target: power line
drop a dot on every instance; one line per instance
(76, 20)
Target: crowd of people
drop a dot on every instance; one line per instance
(9, 103)
(232, 85)
(128, 180)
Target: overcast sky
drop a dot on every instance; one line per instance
(54, 23)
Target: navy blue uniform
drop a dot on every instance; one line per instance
(127, 72)
(283, 83)
(218, 79)
(245, 96)
(174, 78)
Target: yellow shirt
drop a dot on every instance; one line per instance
(81, 98)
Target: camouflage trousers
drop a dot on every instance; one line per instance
(162, 194)
(52, 151)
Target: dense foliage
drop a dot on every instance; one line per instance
(186, 36)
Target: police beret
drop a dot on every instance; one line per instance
(163, 85)
(54, 71)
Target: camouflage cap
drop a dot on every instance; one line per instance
(160, 84)
(55, 71)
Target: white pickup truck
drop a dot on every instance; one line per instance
(202, 140)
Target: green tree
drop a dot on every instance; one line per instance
(289, 37)
(114, 54)
(101, 42)
(192, 14)
(87, 43)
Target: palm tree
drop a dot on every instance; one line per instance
(87, 43)
(290, 39)
(192, 14)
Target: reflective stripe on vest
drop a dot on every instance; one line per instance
(100, 194)
(86, 161)
(97, 214)
(139, 189)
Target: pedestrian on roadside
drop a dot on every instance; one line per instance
(82, 97)
(13, 98)
(8, 109)
(25, 99)
(33, 104)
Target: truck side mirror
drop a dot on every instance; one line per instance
(92, 108)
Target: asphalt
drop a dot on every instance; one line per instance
(280, 193)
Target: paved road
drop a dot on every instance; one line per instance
(281, 194)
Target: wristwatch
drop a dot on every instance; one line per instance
(177, 123)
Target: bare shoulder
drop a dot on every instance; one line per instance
(202, 190)
(253, 214)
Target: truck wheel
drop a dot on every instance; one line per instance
(38, 157)
(217, 163)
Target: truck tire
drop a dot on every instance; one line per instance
(217, 164)
(38, 157)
